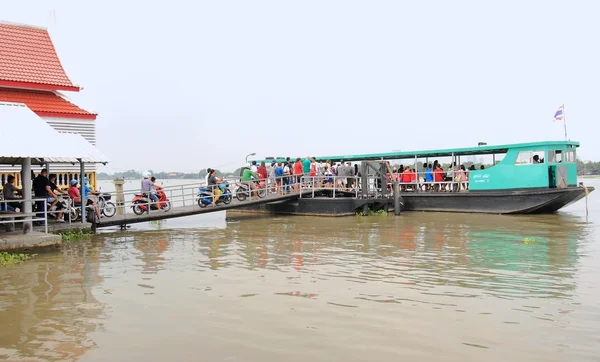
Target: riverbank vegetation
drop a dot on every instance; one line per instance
(13, 258)
(372, 213)
(71, 236)
(136, 175)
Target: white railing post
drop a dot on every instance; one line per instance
(46, 215)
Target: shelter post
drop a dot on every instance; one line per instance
(82, 189)
(119, 195)
(26, 190)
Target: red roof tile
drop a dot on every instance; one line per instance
(44, 103)
(28, 59)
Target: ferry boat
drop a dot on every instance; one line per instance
(536, 177)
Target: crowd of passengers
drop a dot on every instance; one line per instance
(44, 187)
(434, 178)
(289, 175)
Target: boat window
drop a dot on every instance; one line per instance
(555, 156)
(524, 158)
(570, 156)
(530, 157)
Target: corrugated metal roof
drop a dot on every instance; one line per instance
(24, 134)
(479, 150)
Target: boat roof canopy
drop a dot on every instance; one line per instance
(467, 151)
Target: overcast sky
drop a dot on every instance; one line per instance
(185, 85)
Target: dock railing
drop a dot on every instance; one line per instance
(304, 185)
(187, 195)
(9, 216)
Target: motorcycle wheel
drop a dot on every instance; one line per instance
(227, 199)
(262, 193)
(137, 209)
(74, 214)
(240, 194)
(109, 209)
(201, 204)
(167, 206)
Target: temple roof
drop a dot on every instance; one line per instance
(28, 59)
(45, 103)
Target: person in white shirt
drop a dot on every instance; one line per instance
(254, 168)
(286, 177)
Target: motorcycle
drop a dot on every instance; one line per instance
(140, 202)
(243, 190)
(205, 196)
(107, 208)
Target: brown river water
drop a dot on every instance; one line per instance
(419, 287)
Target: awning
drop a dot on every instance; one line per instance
(23, 134)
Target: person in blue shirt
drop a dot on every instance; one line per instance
(86, 191)
(428, 176)
(278, 173)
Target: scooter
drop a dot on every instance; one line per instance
(107, 208)
(243, 190)
(140, 202)
(205, 196)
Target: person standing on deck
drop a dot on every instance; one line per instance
(450, 175)
(278, 176)
(350, 175)
(341, 173)
(261, 171)
(438, 176)
(41, 189)
(306, 168)
(428, 177)
(298, 172)
(272, 179)
(287, 176)
(313, 168)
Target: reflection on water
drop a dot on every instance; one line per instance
(47, 308)
(424, 285)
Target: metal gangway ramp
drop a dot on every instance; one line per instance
(184, 202)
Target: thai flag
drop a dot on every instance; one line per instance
(559, 113)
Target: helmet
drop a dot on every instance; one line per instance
(146, 174)
(73, 182)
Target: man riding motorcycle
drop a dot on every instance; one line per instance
(248, 178)
(148, 187)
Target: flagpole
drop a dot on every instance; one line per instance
(565, 121)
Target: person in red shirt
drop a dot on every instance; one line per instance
(438, 176)
(413, 175)
(73, 192)
(262, 174)
(298, 171)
